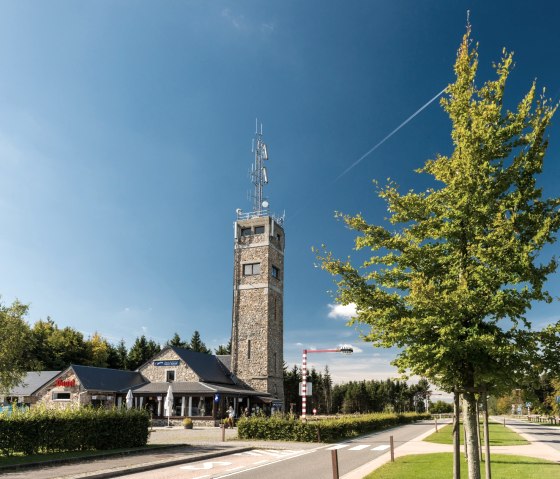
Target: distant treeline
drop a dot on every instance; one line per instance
(354, 396)
(53, 348)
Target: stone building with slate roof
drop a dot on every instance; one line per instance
(26, 392)
(202, 384)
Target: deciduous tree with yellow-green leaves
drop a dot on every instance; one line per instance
(452, 276)
(15, 345)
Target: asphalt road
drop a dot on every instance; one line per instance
(549, 435)
(292, 463)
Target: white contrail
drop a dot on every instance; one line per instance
(359, 160)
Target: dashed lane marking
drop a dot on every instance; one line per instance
(381, 448)
(336, 446)
(359, 448)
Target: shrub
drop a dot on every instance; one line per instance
(42, 430)
(291, 428)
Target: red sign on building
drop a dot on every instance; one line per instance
(70, 383)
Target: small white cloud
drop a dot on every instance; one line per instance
(144, 329)
(299, 344)
(355, 349)
(346, 311)
(126, 310)
(238, 21)
(267, 28)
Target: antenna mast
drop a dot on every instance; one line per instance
(259, 175)
(259, 178)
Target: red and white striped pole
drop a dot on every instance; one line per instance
(304, 384)
(345, 349)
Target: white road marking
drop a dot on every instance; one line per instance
(260, 462)
(253, 453)
(201, 477)
(359, 448)
(336, 446)
(381, 448)
(235, 469)
(267, 463)
(205, 465)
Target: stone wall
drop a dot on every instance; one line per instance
(157, 374)
(45, 394)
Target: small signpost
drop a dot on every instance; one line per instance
(309, 389)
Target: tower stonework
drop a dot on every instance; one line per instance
(258, 304)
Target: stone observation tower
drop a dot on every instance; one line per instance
(258, 288)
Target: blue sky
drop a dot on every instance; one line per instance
(125, 141)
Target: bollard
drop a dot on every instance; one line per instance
(334, 456)
(436, 424)
(223, 432)
(392, 449)
(504, 422)
(318, 434)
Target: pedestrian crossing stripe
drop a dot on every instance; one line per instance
(360, 447)
(269, 452)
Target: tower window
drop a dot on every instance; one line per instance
(169, 376)
(246, 232)
(248, 349)
(275, 272)
(259, 230)
(251, 269)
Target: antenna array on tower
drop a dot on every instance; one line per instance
(259, 178)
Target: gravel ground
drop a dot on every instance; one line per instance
(197, 435)
(203, 436)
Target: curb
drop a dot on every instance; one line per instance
(121, 471)
(102, 455)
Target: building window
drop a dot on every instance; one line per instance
(259, 230)
(275, 272)
(60, 396)
(169, 376)
(248, 349)
(251, 269)
(275, 368)
(246, 232)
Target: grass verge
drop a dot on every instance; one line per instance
(440, 466)
(499, 436)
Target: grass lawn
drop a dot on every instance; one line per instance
(20, 459)
(440, 466)
(499, 436)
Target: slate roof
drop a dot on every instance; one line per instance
(32, 381)
(207, 367)
(105, 379)
(225, 359)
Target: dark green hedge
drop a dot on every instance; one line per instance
(49, 430)
(329, 430)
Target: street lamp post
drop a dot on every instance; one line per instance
(344, 349)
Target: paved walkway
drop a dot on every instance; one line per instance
(419, 446)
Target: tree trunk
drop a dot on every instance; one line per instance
(470, 423)
(487, 468)
(456, 438)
